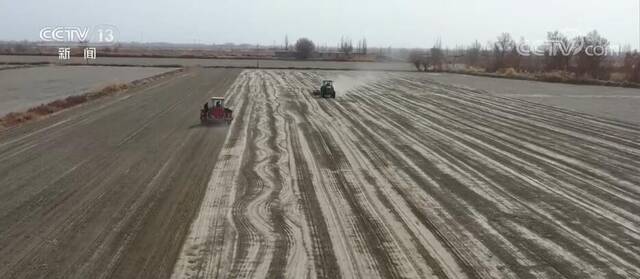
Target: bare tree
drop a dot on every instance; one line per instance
(426, 63)
(514, 59)
(473, 54)
(364, 46)
(501, 49)
(592, 55)
(437, 55)
(22, 46)
(346, 46)
(557, 54)
(632, 66)
(419, 59)
(286, 42)
(304, 48)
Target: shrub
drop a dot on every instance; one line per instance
(304, 48)
(510, 72)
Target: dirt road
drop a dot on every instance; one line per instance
(108, 189)
(404, 177)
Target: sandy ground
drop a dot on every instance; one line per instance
(24, 88)
(217, 62)
(108, 189)
(404, 177)
(609, 102)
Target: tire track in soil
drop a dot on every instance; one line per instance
(409, 178)
(206, 252)
(443, 178)
(92, 205)
(283, 239)
(325, 262)
(262, 188)
(424, 219)
(332, 158)
(449, 126)
(365, 225)
(256, 159)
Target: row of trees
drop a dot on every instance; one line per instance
(305, 47)
(632, 66)
(346, 46)
(434, 58)
(582, 55)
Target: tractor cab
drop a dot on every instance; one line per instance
(327, 90)
(216, 102)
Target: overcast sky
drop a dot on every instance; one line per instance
(397, 23)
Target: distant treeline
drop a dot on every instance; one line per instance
(582, 57)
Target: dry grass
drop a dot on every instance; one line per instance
(556, 76)
(15, 118)
(472, 69)
(618, 77)
(113, 88)
(509, 72)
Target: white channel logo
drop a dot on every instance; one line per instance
(103, 34)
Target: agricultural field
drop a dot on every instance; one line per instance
(319, 140)
(402, 176)
(609, 102)
(23, 88)
(108, 189)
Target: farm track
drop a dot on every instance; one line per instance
(404, 177)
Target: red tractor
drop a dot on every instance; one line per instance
(214, 111)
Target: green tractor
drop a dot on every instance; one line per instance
(326, 90)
